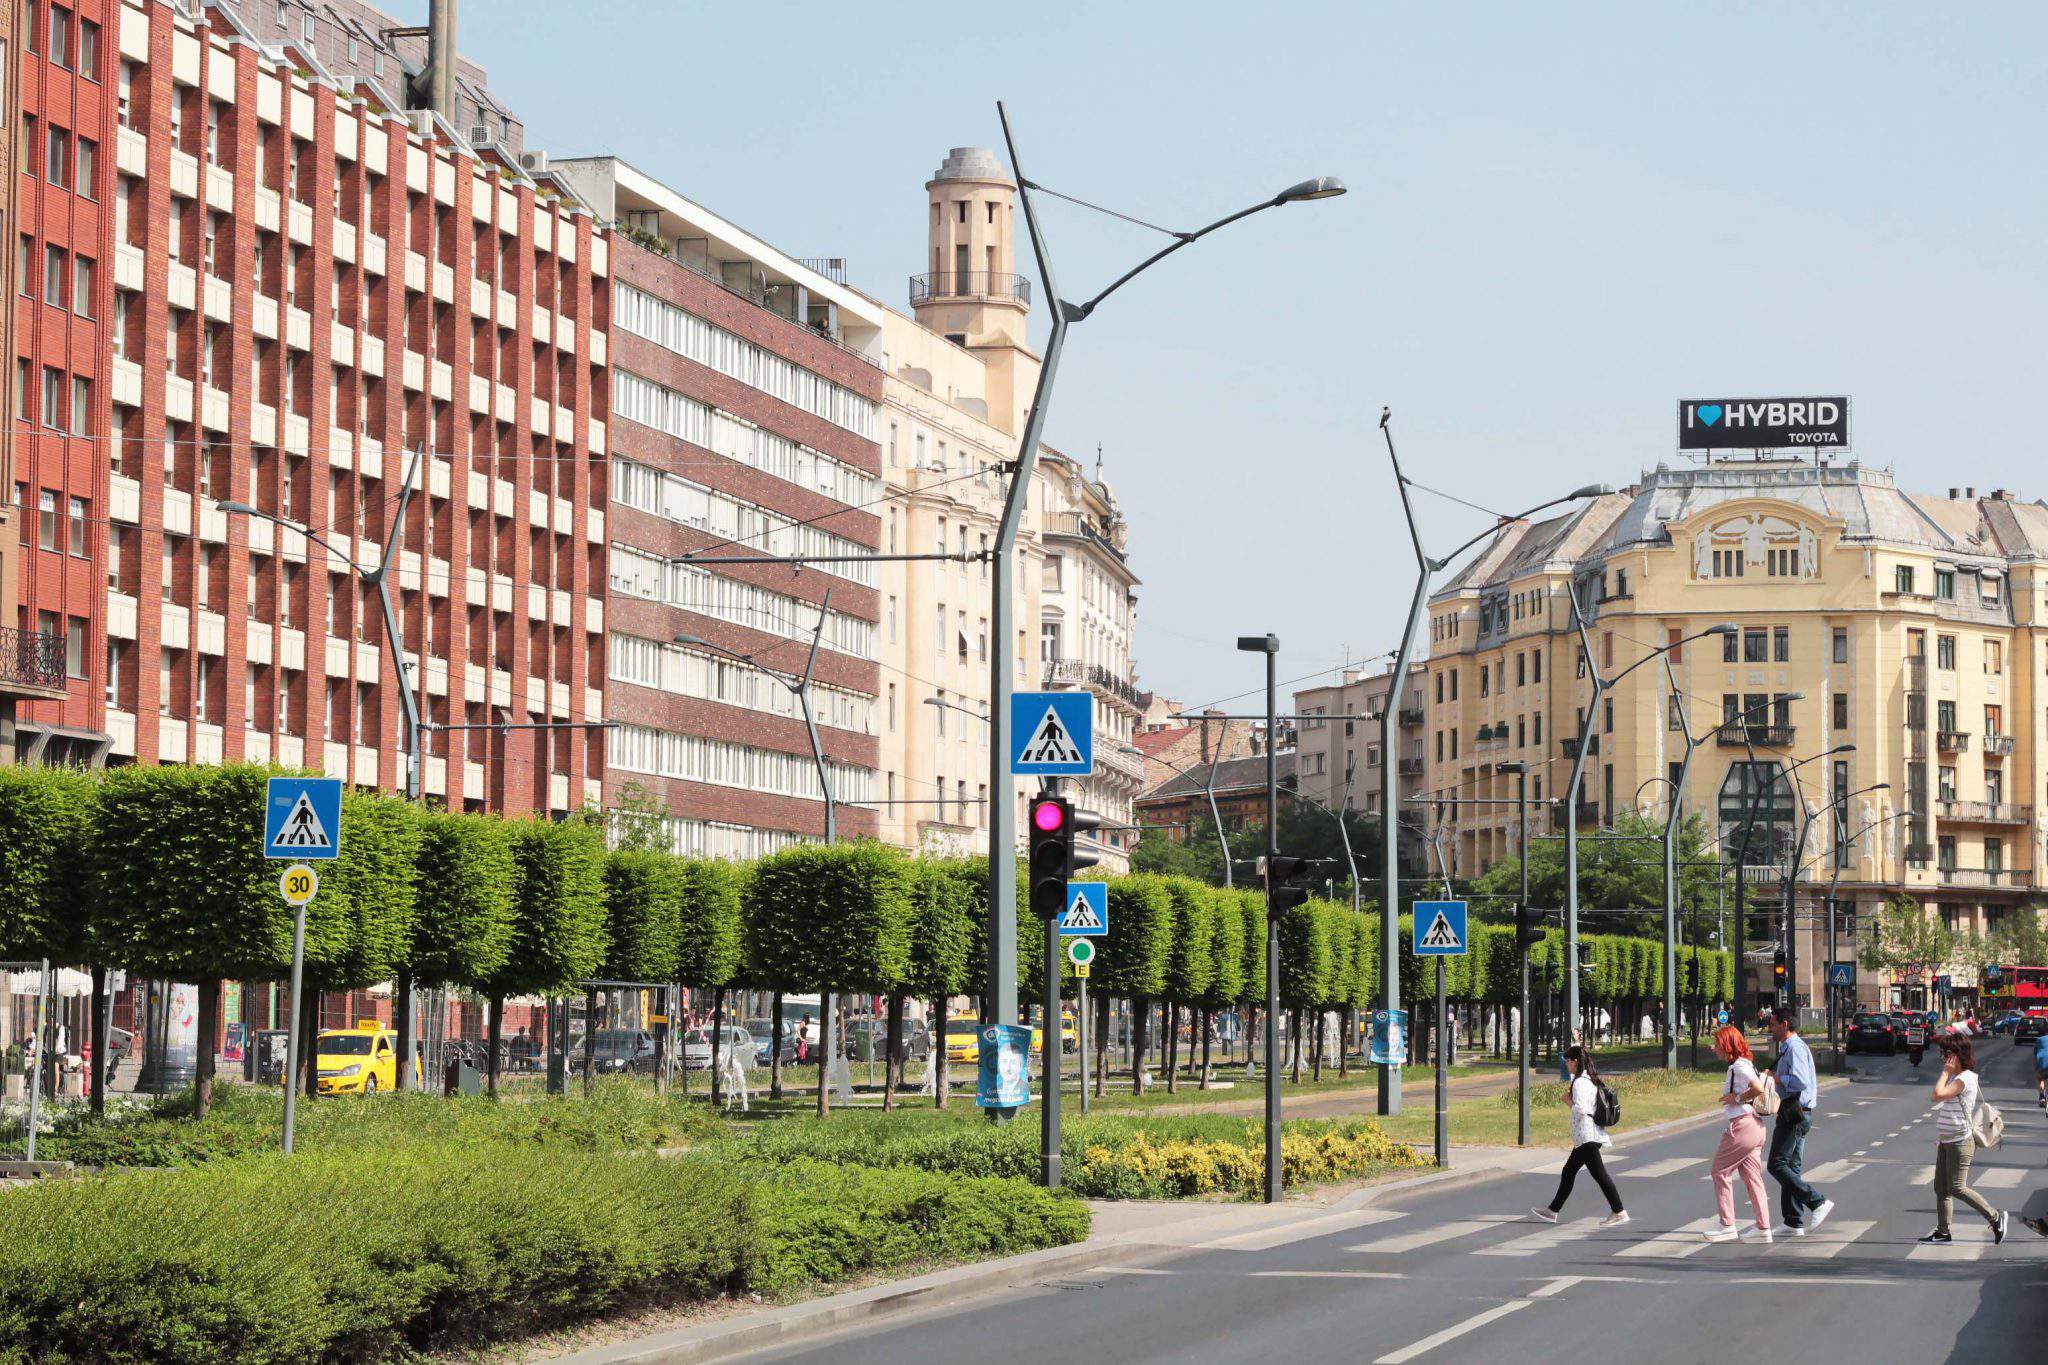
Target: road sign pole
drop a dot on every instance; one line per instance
(1443, 1144)
(296, 1033)
(1081, 1035)
(1049, 1146)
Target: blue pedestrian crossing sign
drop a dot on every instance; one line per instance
(1842, 974)
(1052, 734)
(1439, 928)
(302, 818)
(1087, 913)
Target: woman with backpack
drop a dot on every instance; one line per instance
(1742, 1141)
(1587, 1097)
(1958, 1118)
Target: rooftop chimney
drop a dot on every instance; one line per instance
(1954, 493)
(441, 58)
(1970, 493)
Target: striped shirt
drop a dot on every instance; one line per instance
(1952, 1116)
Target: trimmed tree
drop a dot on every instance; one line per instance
(46, 906)
(1132, 960)
(643, 895)
(366, 903)
(710, 943)
(1227, 964)
(462, 905)
(1304, 966)
(558, 929)
(941, 932)
(1189, 965)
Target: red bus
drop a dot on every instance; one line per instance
(2025, 987)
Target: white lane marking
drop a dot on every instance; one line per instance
(1829, 1242)
(1807, 1282)
(1328, 1275)
(1998, 1177)
(1864, 1152)
(1861, 1103)
(1668, 1166)
(1131, 1270)
(1833, 1170)
(1952, 1251)
(1922, 1175)
(1265, 1239)
(1675, 1245)
(1878, 1143)
(1452, 1333)
(1442, 1232)
(1544, 1240)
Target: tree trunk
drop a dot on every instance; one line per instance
(401, 1022)
(1294, 1043)
(101, 1071)
(1172, 1049)
(1208, 1016)
(494, 1029)
(828, 1037)
(940, 1083)
(775, 1052)
(203, 1054)
(1322, 1018)
(589, 1039)
(1101, 1044)
(1141, 1015)
(891, 1053)
(1347, 1028)
(662, 1034)
(717, 1042)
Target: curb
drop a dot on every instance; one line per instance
(719, 1340)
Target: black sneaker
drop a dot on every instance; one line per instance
(1998, 1228)
(1937, 1237)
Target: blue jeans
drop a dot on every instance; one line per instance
(1788, 1154)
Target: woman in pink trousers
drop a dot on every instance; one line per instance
(1742, 1142)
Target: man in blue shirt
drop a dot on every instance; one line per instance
(2041, 1068)
(1798, 1088)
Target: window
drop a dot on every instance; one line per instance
(1485, 681)
(1454, 685)
(1945, 852)
(1729, 646)
(1521, 670)
(1607, 715)
(1916, 644)
(82, 276)
(48, 533)
(28, 23)
(60, 36)
(81, 406)
(74, 648)
(1781, 711)
(53, 398)
(1989, 588)
(1841, 710)
(1945, 652)
(1536, 666)
(88, 168)
(1781, 644)
(88, 49)
(1841, 645)
(1945, 585)
(1994, 721)
(1994, 656)
(1994, 855)
(1536, 730)
(56, 272)
(1755, 646)
(57, 160)
(79, 540)
(1902, 578)
(1945, 716)
(1945, 783)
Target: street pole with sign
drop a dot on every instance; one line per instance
(301, 821)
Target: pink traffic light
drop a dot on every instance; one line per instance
(1048, 816)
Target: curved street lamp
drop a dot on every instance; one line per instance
(1389, 1076)
(1002, 832)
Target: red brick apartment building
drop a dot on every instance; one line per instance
(745, 409)
(259, 278)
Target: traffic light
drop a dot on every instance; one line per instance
(1280, 870)
(1778, 968)
(1054, 858)
(1585, 957)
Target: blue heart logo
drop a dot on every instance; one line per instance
(1710, 413)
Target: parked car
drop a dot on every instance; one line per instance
(963, 1042)
(868, 1038)
(763, 1030)
(2030, 1028)
(1873, 1033)
(616, 1050)
(697, 1046)
(356, 1061)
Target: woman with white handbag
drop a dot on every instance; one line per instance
(1957, 1120)
(1744, 1099)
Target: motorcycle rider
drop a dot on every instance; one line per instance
(1916, 1036)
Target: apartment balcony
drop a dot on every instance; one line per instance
(1762, 736)
(1571, 746)
(1411, 767)
(1985, 812)
(1117, 761)
(1589, 814)
(1094, 677)
(1986, 876)
(31, 664)
(1998, 746)
(969, 284)
(1409, 715)
(1951, 741)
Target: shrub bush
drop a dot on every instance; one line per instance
(287, 1259)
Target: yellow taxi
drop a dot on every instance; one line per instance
(963, 1042)
(357, 1061)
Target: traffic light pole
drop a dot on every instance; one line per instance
(1271, 646)
(1049, 1112)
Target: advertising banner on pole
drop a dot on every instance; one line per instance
(1005, 1081)
(1389, 1037)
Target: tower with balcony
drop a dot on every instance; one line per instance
(970, 293)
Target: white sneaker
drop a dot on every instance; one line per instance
(1820, 1215)
(1543, 1215)
(1615, 1220)
(1721, 1234)
(1756, 1234)
(1796, 1229)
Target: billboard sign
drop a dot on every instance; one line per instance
(1710, 424)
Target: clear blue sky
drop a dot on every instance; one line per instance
(1562, 219)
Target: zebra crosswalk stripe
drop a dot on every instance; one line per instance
(1828, 1242)
(1997, 1177)
(1541, 1241)
(1427, 1237)
(1669, 1166)
(1675, 1245)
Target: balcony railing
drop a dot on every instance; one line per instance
(1998, 745)
(1951, 741)
(1411, 767)
(1076, 673)
(1763, 736)
(1589, 813)
(832, 268)
(1986, 876)
(32, 659)
(1410, 715)
(1986, 812)
(1571, 746)
(970, 284)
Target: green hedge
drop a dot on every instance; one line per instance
(269, 1259)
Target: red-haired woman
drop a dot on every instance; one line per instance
(1742, 1142)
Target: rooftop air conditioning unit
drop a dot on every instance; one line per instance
(478, 135)
(534, 163)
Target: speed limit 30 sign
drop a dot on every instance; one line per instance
(298, 884)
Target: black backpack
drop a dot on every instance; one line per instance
(1606, 1104)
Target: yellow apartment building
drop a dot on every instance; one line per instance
(1906, 624)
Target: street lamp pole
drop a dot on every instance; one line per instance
(1521, 772)
(1834, 885)
(1808, 816)
(1002, 810)
(1208, 790)
(1269, 645)
(1426, 568)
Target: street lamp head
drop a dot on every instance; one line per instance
(1511, 767)
(1322, 187)
(1259, 644)
(691, 640)
(1843, 749)
(1591, 490)
(237, 507)
(1725, 628)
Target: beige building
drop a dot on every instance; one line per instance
(1339, 760)
(1905, 624)
(959, 377)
